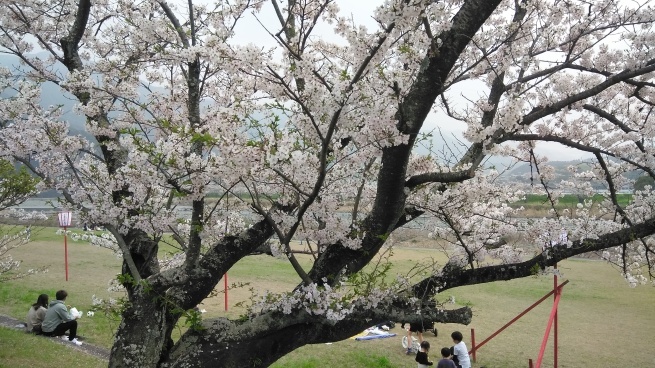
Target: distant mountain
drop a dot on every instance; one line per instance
(51, 94)
(524, 172)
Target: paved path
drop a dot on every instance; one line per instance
(102, 353)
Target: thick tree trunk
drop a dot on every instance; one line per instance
(143, 335)
(143, 338)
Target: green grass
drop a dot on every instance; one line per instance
(355, 358)
(598, 311)
(568, 200)
(18, 349)
(90, 269)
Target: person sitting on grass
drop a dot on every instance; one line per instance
(57, 320)
(446, 361)
(36, 314)
(422, 355)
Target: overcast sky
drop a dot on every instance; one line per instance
(251, 31)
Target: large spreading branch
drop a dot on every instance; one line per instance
(214, 264)
(389, 199)
(581, 146)
(440, 177)
(541, 112)
(274, 334)
(453, 276)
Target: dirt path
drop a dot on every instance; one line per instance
(102, 353)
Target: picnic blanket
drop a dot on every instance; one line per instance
(372, 333)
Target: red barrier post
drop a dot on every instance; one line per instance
(66, 253)
(550, 324)
(473, 344)
(225, 286)
(557, 292)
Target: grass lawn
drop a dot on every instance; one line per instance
(536, 205)
(599, 314)
(570, 199)
(18, 349)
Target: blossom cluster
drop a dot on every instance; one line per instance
(334, 303)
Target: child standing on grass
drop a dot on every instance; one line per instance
(445, 361)
(422, 355)
(460, 351)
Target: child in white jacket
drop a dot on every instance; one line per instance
(460, 351)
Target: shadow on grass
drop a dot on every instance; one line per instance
(362, 359)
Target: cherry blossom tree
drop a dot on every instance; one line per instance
(291, 134)
(16, 185)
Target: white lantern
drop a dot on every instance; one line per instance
(65, 218)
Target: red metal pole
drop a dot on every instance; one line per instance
(66, 253)
(473, 344)
(557, 292)
(225, 286)
(550, 324)
(519, 316)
